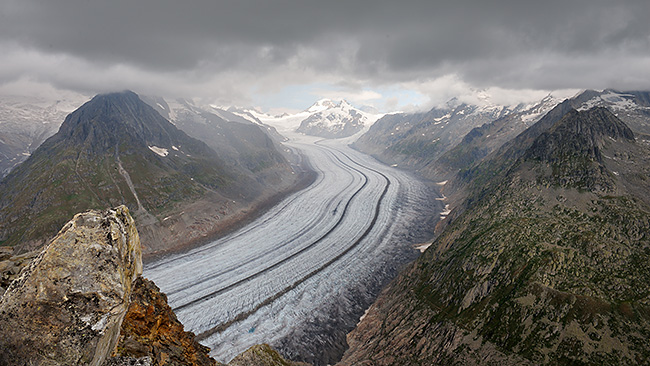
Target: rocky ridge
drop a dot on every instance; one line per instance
(151, 330)
(416, 141)
(262, 355)
(547, 267)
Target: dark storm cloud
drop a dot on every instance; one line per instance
(516, 44)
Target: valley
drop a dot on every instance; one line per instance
(300, 276)
(294, 183)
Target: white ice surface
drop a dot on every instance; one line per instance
(286, 265)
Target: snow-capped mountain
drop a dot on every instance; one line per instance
(27, 121)
(632, 107)
(335, 120)
(326, 118)
(322, 105)
(418, 139)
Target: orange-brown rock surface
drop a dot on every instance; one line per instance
(151, 329)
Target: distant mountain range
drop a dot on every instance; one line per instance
(445, 140)
(326, 118)
(417, 140)
(27, 121)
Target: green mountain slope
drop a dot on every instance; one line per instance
(114, 149)
(547, 266)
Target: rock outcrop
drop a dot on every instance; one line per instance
(67, 307)
(262, 355)
(11, 265)
(151, 330)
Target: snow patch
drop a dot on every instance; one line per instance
(445, 213)
(423, 247)
(159, 150)
(443, 117)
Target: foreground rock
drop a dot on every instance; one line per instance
(152, 335)
(262, 355)
(151, 331)
(67, 307)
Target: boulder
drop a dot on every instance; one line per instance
(262, 355)
(67, 307)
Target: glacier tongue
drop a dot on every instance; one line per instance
(311, 264)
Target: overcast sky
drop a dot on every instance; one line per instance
(289, 53)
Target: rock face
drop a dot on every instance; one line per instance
(151, 329)
(547, 265)
(262, 355)
(67, 307)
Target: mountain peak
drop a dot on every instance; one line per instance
(574, 146)
(321, 105)
(113, 118)
(596, 123)
(331, 120)
(579, 133)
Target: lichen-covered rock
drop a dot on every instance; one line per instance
(128, 361)
(151, 329)
(67, 307)
(11, 265)
(262, 355)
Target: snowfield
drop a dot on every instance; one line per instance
(319, 256)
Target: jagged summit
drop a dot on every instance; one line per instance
(574, 146)
(632, 107)
(321, 105)
(580, 133)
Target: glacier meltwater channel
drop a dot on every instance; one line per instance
(260, 283)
